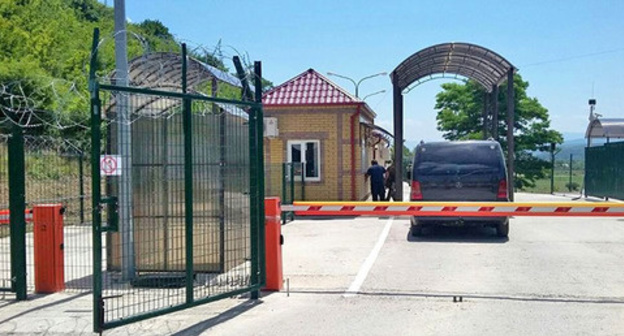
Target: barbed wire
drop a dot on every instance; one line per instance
(61, 104)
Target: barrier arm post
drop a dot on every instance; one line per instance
(273, 246)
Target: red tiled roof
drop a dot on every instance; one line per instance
(308, 88)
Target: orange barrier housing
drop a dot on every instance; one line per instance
(273, 244)
(49, 255)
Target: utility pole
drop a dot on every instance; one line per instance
(124, 145)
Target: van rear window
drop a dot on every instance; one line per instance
(458, 159)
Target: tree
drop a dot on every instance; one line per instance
(460, 117)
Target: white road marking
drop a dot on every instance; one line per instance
(368, 263)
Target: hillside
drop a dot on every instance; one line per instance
(44, 54)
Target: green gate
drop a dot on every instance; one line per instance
(186, 224)
(604, 170)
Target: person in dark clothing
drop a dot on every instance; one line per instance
(390, 181)
(376, 174)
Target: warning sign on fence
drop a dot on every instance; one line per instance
(110, 165)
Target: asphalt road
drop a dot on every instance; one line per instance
(553, 276)
(368, 276)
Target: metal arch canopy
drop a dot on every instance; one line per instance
(605, 128)
(482, 65)
(469, 60)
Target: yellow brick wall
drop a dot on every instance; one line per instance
(324, 124)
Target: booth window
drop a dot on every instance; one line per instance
(309, 153)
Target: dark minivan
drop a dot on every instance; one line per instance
(459, 171)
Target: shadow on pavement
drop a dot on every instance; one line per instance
(223, 317)
(43, 306)
(441, 234)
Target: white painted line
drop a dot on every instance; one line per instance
(368, 263)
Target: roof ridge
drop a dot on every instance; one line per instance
(309, 88)
(286, 83)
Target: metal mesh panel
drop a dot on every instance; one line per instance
(57, 172)
(221, 199)
(605, 170)
(157, 254)
(293, 182)
(5, 242)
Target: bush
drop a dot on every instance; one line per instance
(574, 186)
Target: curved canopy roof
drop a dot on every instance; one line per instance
(158, 69)
(605, 128)
(163, 71)
(379, 132)
(468, 60)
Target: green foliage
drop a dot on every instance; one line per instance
(407, 154)
(49, 41)
(572, 186)
(460, 117)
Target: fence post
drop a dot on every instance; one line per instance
(303, 173)
(188, 181)
(570, 182)
(260, 166)
(552, 168)
(17, 207)
(255, 173)
(96, 120)
(292, 182)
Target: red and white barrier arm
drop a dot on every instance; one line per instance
(5, 216)
(456, 209)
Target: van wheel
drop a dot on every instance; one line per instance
(502, 229)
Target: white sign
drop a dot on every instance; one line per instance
(110, 165)
(270, 127)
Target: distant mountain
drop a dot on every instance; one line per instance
(574, 143)
(576, 147)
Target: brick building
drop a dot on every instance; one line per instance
(314, 121)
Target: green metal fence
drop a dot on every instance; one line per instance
(5, 231)
(54, 173)
(195, 233)
(293, 186)
(604, 167)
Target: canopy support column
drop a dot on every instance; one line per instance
(398, 139)
(510, 131)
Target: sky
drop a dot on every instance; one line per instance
(568, 51)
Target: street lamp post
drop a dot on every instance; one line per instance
(372, 94)
(357, 84)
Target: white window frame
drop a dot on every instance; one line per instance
(303, 143)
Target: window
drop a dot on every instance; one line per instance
(309, 153)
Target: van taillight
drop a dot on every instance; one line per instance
(416, 193)
(502, 189)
